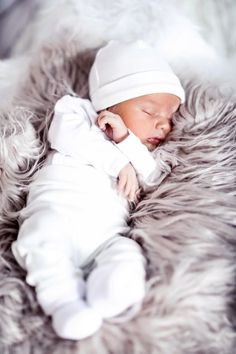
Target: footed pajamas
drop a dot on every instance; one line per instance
(74, 215)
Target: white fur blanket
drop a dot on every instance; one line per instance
(186, 225)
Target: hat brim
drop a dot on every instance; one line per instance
(136, 85)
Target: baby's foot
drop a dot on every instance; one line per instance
(113, 288)
(75, 320)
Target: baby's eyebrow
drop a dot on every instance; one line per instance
(153, 102)
(149, 103)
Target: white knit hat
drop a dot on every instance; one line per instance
(122, 71)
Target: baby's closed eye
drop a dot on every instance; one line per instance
(148, 112)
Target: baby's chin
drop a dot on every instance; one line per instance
(151, 147)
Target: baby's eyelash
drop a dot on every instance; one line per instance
(149, 113)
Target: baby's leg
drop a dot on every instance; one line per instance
(43, 249)
(118, 281)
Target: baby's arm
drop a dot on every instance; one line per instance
(129, 144)
(72, 132)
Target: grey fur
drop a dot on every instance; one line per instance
(186, 225)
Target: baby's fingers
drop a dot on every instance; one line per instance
(133, 189)
(128, 188)
(125, 186)
(102, 120)
(133, 196)
(122, 180)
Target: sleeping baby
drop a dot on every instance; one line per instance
(79, 202)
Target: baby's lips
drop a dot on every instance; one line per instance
(154, 141)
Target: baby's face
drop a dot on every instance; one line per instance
(149, 117)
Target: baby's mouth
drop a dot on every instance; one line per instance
(154, 141)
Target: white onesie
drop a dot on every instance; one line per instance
(73, 210)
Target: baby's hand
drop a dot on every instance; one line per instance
(113, 125)
(128, 183)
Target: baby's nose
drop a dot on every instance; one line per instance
(164, 127)
(161, 133)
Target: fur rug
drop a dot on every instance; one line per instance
(186, 225)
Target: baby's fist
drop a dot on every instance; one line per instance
(113, 126)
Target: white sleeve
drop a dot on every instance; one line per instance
(141, 159)
(73, 133)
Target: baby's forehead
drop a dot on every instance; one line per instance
(148, 99)
(156, 98)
